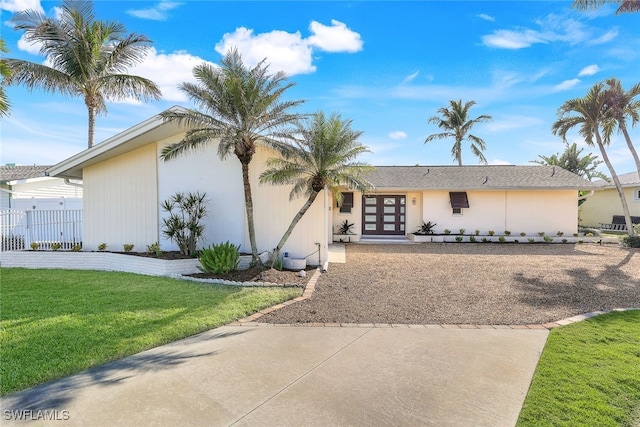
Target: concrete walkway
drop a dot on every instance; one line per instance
(301, 376)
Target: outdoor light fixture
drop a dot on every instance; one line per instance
(413, 201)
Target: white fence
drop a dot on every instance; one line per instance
(21, 228)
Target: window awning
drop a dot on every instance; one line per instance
(458, 199)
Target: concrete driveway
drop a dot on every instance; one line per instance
(300, 376)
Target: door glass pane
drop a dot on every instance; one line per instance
(402, 219)
(370, 218)
(370, 200)
(389, 227)
(390, 209)
(402, 200)
(401, 209)
(389, 218)
(370, 209)
(389, 200)
(401, 227)
(369, 227)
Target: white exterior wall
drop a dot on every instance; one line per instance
(273, 213)
(516, 211)
(121, 201)
(203, 171)
(41, 193)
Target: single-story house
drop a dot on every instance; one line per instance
(125, 182)
(605, 202)
(27, 188)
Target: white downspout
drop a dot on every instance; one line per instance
(325, 238)
(73, 184)
(584, 196)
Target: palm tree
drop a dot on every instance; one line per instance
(456, 123)
(585, 166)
(5, 73)
(626, 6)
(88, 58)
(240, 107)
(589, 115)
(322, 159)
(621, 107)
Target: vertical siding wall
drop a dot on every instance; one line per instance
(274, 212)
(517, 211)
(601, 207)
(121, 201)
(203, 171)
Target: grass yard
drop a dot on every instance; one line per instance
(57, 322)
(588, 375)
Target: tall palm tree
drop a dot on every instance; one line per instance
(89, 58)
(589, 115)
(455, 121)
(622, 106)
(5, 73)
(626, 6)
(585, 166)
(323, 158)
(239, 107)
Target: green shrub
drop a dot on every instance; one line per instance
(485, 240)
(564, 240)
(447, 231)
(77, 247)
(128, 247)
(491, 232)
(501, 239)
(184, 225)
(220, 259)
(631, 241)
(154, 248)
(425, 228)
(458, 238)
(102, 247)
(507, 233)
(462, 230)
(541, 234)
(477, 232)
(55, 246)
(35, 246)
(278, 263)
(472, 239)
(548, 239)
(523, 234)
(559, 233)
(531, 240)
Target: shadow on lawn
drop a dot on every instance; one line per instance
(586, 291)
(59, 393)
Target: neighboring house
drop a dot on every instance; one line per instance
(605, 202)
(28, 187)
(529, 199)
(125, 182)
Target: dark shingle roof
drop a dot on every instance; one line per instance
(12, 173)
(475, 177)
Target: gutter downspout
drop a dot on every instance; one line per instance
(584, 196)
(73, 184)
(325, 238)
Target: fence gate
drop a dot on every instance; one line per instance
(20, 228)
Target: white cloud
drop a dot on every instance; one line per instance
(410, 77)
(335, 38)
(20, 5)
(605, 38)
(29, 47)
(284, 51)
(397, 135)
(589, 70)
(487, 17)
(511, 122)
(507, 39)
(156, 13)
(567, 84)
(168, 71)
(499, 162)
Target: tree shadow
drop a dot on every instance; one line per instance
(59, 393)
(586, 290)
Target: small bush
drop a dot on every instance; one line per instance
(76, 248)
(462, 230)
(501, 239)
(631, 241)
(564, 240)
(458, 238)
(219, 259)
(472, 239)
(55, 246)
(102, 247)
(507, 233)
(345, 227)
(559, 233)
(35, 246)
(477, 232)
(485, 240)
(491, 232)
(184, 225)
(541, 234)
(575, 234)
(425, 228)
(516, 241)
(154, 248)
(523, 234)
(447, 231)
(128, 247)
(278, 264)
(548, 239)
(531, 240)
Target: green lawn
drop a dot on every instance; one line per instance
(588, 375)
(57, 322)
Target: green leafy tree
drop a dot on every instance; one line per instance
(239, 107)
(323, 158)
(455, 122)
(88, 58)
(589, 115)
(571, 160)
(625, 6)
(5, 73)
(623, 108)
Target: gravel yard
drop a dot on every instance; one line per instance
(456, 283)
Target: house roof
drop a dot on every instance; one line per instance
(475, 178)
(626, 179)
(150, 130)
(16, 172)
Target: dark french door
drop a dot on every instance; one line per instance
(383, 215)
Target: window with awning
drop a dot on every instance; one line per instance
(458, 199)
(347, 203)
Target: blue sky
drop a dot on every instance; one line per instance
(387, 66)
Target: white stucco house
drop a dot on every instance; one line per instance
(125, 181)
(605, 203)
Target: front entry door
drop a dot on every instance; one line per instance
(383, 215)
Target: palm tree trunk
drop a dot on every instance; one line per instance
(248, 203)
(616, 180)
(294, 222)
(92, 126)
(634, 153)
